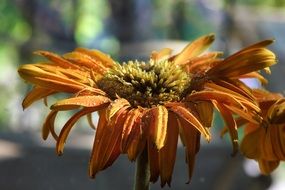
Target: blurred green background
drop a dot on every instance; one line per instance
(125, 30)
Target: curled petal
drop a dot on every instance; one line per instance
(48, 126)
(90, 121)
(35, 94)
(67, 127)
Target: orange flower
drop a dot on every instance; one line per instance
(266, 142)
(147, 105)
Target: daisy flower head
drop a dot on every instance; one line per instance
(144, 107)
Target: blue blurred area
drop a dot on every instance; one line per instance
(128, 29)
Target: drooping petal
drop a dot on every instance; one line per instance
(238, 89)
(153, 160)
(141, 136)
(98, 102)
(115, 106)
(158, 126)
(111, 148)
(250, 144)
(67, 127)
(106, 148)
(206, 113)
(191, 137)
(130, 128)
(256, 75)
(100, 132)
(194, 49)
(136, 146)
(35, 94)
(266, 167)
(185, 114)
(218, 96)
(48, 126)
(231, 125)
(90, 121)
(276, 113)
(167, 154)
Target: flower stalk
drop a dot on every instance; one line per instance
(142, 175)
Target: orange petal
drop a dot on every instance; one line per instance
(97, 102)
(250, 145)
(231, 125)
(161, 55)
(276, 113)
(185, 114)
(202, 63)
(167, 154)
(194, 49)
(244, 62)
(98, 56)
(44, 79)
(57, 59)
(153, 161)
(256, 75)
(115, 106)
(35, 94)
(136, 146)
(100, 132)
(206, 112)
(220, 97)
(266, 167)
(192, 142)
(159, 117)
(85, 61)
(110, 143)
(90, 122)
(48, 125)
(67, 127)
(234, 87)
(130, 128)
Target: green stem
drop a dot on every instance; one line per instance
(142, 172)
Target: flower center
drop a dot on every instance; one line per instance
(145, 84)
